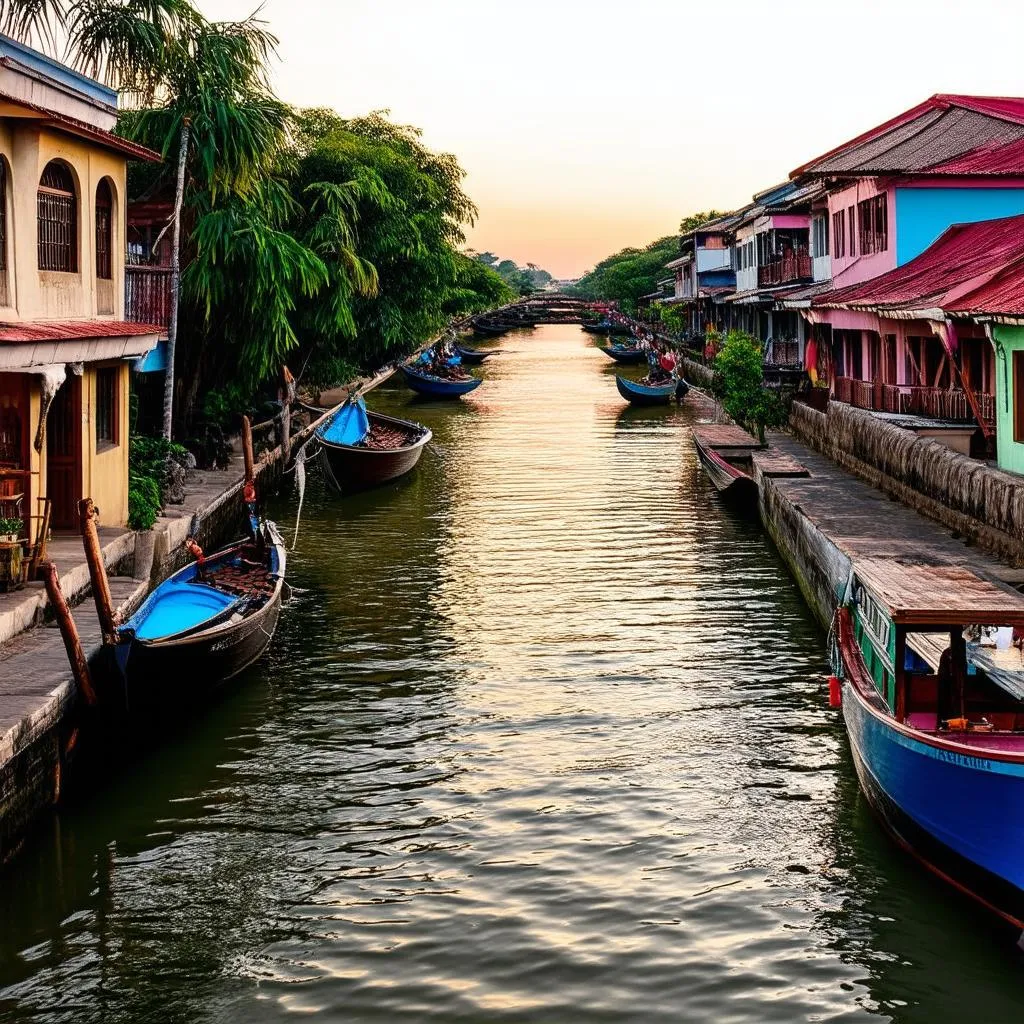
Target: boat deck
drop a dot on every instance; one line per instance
(725, 438)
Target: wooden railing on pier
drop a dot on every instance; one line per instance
(935, 403)
(147, 295)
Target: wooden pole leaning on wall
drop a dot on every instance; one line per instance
(69, 633)
(250, 462)
(97, 570)
(287, 393)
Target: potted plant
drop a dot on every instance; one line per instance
(10, 530)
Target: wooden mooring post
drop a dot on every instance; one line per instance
(87, 513)
(250, 462)
(287, 393)
(69, 633)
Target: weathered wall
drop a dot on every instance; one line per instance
(820, 569)
(983, 504)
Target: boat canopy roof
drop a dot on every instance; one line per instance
(938, 595)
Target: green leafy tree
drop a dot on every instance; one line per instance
(409, 209)
(696, 220)
(739, 385)
(629, 274)
(198, 93)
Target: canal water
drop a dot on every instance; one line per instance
(543, 737)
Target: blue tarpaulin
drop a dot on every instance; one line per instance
(349, 424)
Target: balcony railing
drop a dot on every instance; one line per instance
(934, 403)
(785, 269)
(783, 353)
(147, 295)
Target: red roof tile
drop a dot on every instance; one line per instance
(83, 129)
(970, 268)
(73, 330)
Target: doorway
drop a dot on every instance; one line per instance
(64, 454)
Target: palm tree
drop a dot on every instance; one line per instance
(198, 93)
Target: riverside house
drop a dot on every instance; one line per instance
(65, 343)
(852, 216)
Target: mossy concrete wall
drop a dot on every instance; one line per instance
(983, 504)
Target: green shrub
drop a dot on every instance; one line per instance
(147, 459)
(739, 385)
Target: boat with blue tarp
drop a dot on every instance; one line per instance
(360, 449)
(204, 625)
(929, 672)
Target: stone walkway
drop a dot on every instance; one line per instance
(863, 522)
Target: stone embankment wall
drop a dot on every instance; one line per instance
(983, 504)
(820, 569)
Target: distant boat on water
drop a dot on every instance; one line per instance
(439, 387)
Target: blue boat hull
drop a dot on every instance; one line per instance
(959, 811)
(641, 394)
(435, 387)
(622, 354)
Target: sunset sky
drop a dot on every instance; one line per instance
(588, 126)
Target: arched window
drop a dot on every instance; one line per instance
(104, 229)
(57, 219)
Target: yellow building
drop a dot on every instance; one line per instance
(65, 347)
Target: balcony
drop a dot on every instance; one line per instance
(783, 353)
(785, 270)
(147, 295)
(950, 404)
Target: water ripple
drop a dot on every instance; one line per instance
(543, 738)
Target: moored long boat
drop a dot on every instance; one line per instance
(391, 448)
(626, 354)
(937, 731)
(490, 328)
(474, 356)
(637, 393)
(604, 327)
(439, 387)
(729, 472)
(201, 627)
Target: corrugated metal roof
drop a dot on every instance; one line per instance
(995, 158)
(970, 268)
(73, 330)
(939, 130)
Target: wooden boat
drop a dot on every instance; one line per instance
(439, 387)
(606, 327)
(390, 448)
(202, 626)
(726, 455)
(474, 356)
(637, 393)
(932, 692)
(626, 354)
(490, 328)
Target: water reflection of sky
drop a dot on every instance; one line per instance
(543, 737)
